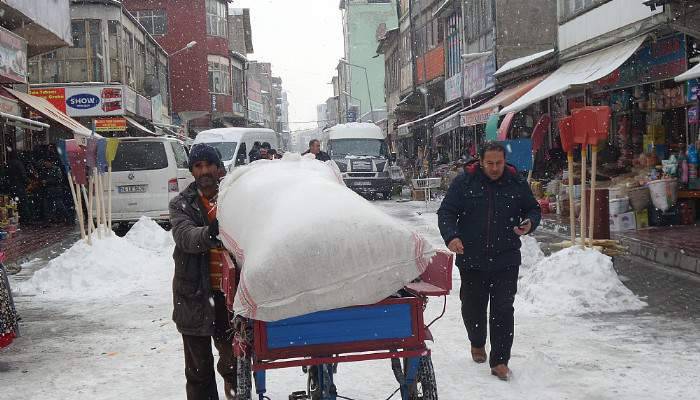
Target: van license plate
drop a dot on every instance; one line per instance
(363, 183)
(132, 189)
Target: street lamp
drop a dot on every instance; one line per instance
(369, 93)
(187, 47)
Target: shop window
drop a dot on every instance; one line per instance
(115, 51)
(154, 21)
(219, 75)
(216, 18)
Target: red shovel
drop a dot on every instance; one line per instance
(566, 133)
(538, 139)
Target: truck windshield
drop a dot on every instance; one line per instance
(358, 147)
(226, 149)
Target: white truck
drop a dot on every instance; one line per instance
(361, 153)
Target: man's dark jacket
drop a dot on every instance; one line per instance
(482, 213)
(193, 303)
(321, 156)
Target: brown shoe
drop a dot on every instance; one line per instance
(501, 371)
(479, 355)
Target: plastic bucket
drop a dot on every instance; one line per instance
(663, 193)
(639, 198)
(619, 206)
(617, 192)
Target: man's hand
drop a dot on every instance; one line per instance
(214, 229)
(456, 246)
(523, 229)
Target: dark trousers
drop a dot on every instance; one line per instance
(199, 360)
(479, 288)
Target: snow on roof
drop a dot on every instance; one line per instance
(519, 62)
(355, 130)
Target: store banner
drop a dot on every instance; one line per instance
(453, 88)
(477, 117)
(446, 125)
(84, 101)
(654, 61)
(13, 58)
(110, 125)
(693, 90)
(9, 106)
(56, 96)
(130, 100)
(478, 75)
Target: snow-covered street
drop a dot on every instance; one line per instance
(96, 325)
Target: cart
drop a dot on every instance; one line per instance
(392, 329)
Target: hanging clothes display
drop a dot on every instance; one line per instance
(8, 314)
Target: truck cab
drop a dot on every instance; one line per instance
(362, 155)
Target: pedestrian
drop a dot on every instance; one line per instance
(486, 210)
(52, 184)
(315, 149)
(200, 312)
(254, 153)
(18, 179)
(264, 149)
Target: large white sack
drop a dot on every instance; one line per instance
(307, 243)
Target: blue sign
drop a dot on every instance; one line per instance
(352, 116)
(83, 101)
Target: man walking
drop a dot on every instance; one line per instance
(200, 312)
(315, 149)
(486, 210)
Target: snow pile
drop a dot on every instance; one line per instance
(111, 267)
(574, 281)
(531, 253)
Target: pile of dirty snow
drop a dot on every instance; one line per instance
(574, 281)
(111, 267)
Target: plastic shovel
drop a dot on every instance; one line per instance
(566, 133)
(110, 154)
(538, 133)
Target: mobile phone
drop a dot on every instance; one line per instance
(524, 222)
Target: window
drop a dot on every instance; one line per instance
(226, 149)
(115, 51)
(180, 155)
(570, 8)
(155, 21)
(95, 54)
(128, 48)
(216, 18)
(139, 66)
(219, 75)
(140, 156)
(238, 85)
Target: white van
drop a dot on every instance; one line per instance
(234, 144)
(147, 173)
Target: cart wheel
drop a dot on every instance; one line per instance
(244, 386)
(425, 387)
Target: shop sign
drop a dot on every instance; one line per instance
(143, 107)
(13, 57)
(130, 100)
(110, 125)
(55, 96)
(471, 118)
(9, 106)
(453, 88)
(653, 62)
(693, 90)
(693, 115)
(478, 75)
(446, 125)
(213, 103)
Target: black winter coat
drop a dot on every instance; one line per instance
(193, 303)
(321, 156)
(482, 213)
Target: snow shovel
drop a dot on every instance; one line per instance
(110, 153)
(76, 159)
(63, 157)
(91, 160)
(101, 169)
(566, 134)
(538, 140)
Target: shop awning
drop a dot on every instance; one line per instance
(580, 71)
(49, 111)
(140, 127)
(482, 113)
(436, 113)
(522, 61)
(25, 123)
(689, 74)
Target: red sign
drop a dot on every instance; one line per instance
(55, 96)
(110, 125)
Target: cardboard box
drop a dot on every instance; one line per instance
(642, 219)
(623, 222)
(418, 195)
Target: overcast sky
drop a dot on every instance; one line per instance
(303, 39)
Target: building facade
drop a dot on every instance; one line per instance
(114, 78)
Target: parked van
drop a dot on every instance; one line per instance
(234, 144)
(361, 153)
(147, 173)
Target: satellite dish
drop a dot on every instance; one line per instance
(151, 85)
